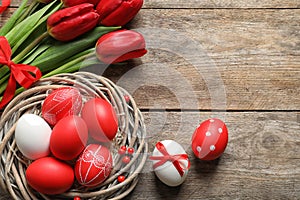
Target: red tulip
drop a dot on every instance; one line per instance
(69, 23)
(121, 45)
(118, 12)
(70, 3)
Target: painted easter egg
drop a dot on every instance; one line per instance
(170, 162)
(94, 165)
(210, 139)
(60, 103)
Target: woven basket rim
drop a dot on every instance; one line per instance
(132, 133)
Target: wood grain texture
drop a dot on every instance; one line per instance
(221, 4)
(245, 60)
(5, 15)
(261, 160)
(254, 55)
(213, 4)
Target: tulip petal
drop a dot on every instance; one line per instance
(70, 3)
(69, 13)
(130, 55)
(118, 12)
(120, 45)
(68, 30)
(105, 7)
(69, 23)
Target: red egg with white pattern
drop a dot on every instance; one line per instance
(210, 139)
(60, 103)
(94, 165)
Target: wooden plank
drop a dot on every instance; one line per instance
(261, 160)
(194, 55)
(213, 4)
(255, 54)
(215, 59)
(5, 15)
(221, 4)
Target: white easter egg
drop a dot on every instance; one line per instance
(170, 162)
(32, 136)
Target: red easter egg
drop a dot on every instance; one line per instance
(60, 103)
(94, 165)
(210, 139)
(101, 119)
(50, 176)
(69, 137)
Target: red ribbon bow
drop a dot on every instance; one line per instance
(25, 75)
(177, 160)
(4, 5)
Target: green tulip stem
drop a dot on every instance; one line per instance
(31, 8)
(23, 53)
(3, 83)
(70, 66)
(4, 79)
(3, 72)
(12, 20)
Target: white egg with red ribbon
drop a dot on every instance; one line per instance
(170, 162)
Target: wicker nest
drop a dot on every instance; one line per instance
(131, 133)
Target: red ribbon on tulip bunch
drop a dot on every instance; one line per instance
(4, 5)
(24, 74)
(177, 160)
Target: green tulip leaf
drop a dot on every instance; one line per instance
(21, 31)
(53, 56)
(13, 19)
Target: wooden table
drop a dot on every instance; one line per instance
(235, 60)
